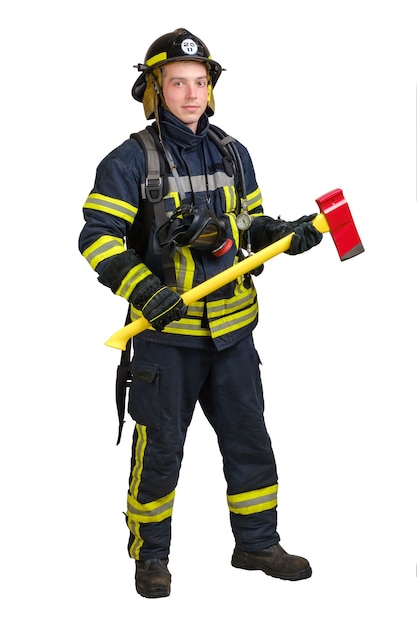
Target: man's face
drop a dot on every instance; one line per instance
(185, 89)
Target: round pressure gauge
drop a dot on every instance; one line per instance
(243, 220)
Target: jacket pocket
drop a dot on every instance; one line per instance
(144, 404)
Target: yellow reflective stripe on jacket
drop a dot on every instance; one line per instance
(132, 278)
(113, 206)
(253, 501)
(233, 322)
(195, 311)
(221, 326)
(104, 248)
(188, 326)
(241, 300)
(230, 197)
(224, 316)
(198, 183)
(213, 182)
(185, 267)
(254, 199)
(155, 511)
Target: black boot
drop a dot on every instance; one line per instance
(274, 561)
(153, 579)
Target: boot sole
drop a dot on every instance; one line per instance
(302, 575)
(160, 592)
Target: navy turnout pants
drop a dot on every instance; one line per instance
(168, 382)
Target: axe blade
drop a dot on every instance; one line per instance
(342, 227)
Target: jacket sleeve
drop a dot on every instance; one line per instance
(109, 212)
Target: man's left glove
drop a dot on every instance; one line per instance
(159, 304)
(265, 230)
(305, 236)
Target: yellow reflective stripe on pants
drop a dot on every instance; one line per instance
(155, 511)
(138, 453)
(137, 543)
(151, 511)
(253, 501)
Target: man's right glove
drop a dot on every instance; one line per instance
(159, 304)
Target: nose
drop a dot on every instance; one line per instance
(191, 92)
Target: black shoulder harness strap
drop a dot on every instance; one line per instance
(138, 238)
(227, 145)
(153, 206)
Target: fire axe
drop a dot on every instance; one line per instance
(334, 217)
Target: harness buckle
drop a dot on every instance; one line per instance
(154, 188)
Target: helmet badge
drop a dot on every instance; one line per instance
(188, 46)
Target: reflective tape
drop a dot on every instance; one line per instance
(253, 501)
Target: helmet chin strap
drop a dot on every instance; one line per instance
(159, 97)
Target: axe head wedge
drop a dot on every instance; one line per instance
(341, 225)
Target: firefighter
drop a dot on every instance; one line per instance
(204, 353)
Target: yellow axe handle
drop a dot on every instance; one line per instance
(122, 336)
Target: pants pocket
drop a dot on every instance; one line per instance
(144, 403)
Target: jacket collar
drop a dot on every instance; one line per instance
(176, 131)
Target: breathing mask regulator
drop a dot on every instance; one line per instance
(191, 225)
(196, 227)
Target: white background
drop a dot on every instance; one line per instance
(323, 95)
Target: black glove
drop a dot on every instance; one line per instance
(265, 230)
(159, 304)
(302, 220)
(305, 236)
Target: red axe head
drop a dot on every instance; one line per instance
(342, 227)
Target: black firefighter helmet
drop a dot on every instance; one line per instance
(180, 45)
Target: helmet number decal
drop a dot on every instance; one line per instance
(188, 46)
